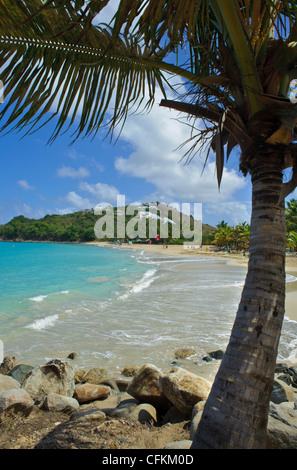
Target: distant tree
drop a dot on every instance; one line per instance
(291, 215)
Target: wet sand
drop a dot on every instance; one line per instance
(233, 258)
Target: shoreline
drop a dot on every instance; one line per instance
(231, 258)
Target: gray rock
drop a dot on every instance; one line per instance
(20, 371)
(15, 401)
(55, 376)
(282, 426)
(126, 406)
(7, 383)
(144, 413)
(196, 416)
(281, 392)
(56, 402)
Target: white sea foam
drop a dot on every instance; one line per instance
(38, 298)
(142, 284)
(43, 322)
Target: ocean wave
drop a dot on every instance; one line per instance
(290, 278)
(142, 284)
(40, 298)
(43, 322)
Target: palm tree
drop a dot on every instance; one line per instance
(224, 236)
(241, 60)
(292, 240)
(291, 215)
(242, 234)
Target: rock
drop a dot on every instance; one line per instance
(89, 392)
(144, 413)
(281, 392)
(72, 355)
(179, 445)
(7, 383)
(280, 367)
(89, 413)
(218, 354)
(282, 426)
(20, 371)
(55, 376)
(196, 416)
(184, 389)
(78, 376)
(173, 415)
(130, 371)
(122, 384)
(56, 402)
(125, 407)
(95, 376)
(108, 405)
(15, 401)
(145, 387)
(9, 362)
(112, 383)
(184, 352)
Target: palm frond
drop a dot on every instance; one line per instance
(50, 70)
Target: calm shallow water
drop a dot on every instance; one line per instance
(116, 307)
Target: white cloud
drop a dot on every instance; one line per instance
(154, 138)
(233, 212)
(25, 185)
(100, 192)
(68, 172)
(77, 202)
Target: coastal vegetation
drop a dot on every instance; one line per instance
(241, 60)
(79, 227)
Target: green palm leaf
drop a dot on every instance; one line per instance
(84, 81)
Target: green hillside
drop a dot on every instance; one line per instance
(79, 227)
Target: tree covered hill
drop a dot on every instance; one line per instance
(79, 227)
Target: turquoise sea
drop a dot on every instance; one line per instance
(115, 307)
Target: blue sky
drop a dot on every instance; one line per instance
(144, 166)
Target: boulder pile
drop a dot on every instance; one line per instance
(143, 394)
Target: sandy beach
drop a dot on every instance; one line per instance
(232, 258)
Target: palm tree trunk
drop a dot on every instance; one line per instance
(236, 413)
